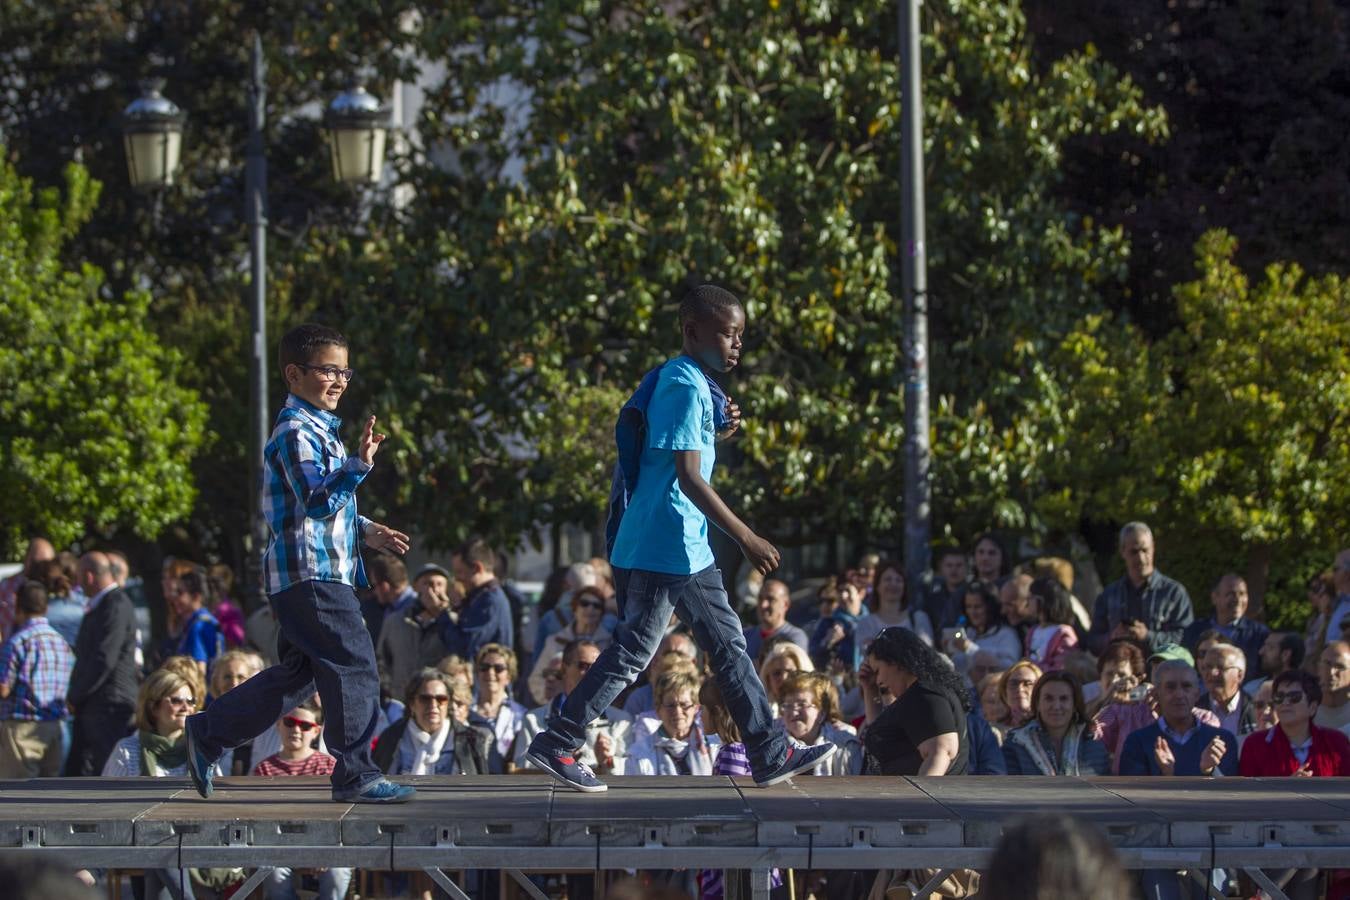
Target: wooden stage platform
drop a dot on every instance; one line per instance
(523, 822)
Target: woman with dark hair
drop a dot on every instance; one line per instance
(1054, 857)
(891, 608)
(1058, 741)
(985, 629)
(919, 727)
(1295, 746)
(1049, 641)
(991, 562)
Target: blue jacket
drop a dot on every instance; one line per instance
(1136, 756)
(630, 437)
(985, 755)
(484, 619)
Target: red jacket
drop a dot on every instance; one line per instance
(1267, 753)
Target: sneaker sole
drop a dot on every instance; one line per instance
(542, 762)
(404, 799)
(204, 788)
(784, 776)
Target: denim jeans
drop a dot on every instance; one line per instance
(646, 600)
(333, 884)
(324, 642)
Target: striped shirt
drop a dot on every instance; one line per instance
(315, 764)
(35, 662)
(309, 501)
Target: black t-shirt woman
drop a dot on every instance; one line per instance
(922, 730)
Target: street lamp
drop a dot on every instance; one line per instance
(357, 126)
(152, 133)
(153, 130)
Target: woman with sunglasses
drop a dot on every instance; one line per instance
(588, 612)
(298, 729)
(1295, 746)
(433, 740)
(493, 707)
(158, 749)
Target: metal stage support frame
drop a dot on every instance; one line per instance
(523, 823)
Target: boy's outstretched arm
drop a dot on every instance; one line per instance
(762, 555)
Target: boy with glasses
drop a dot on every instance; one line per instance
(311, 568)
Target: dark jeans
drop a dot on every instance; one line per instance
(323, 642)
(646, 600)
(94, 733)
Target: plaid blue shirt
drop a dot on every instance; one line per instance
(35, 662)
(309, 501)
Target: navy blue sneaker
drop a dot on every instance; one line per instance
(381, 790)
(567, 769)
(198, 766)
(799, 759)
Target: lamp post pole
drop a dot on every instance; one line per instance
(914, 278)
(255, 213)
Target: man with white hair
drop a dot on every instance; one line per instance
(1178, 743)
(1145, 606)
(1224, 669)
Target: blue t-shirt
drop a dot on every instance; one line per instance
(662, 530)
(201, 638)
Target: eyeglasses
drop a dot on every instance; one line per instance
(438, 699)
(678, 707)
(181, 702)
(795, 706)
(330, 373)
(299, 724)
(491, 668)
(590, 604)
(1290, 697)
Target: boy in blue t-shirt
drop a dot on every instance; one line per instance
(310, 568)
(663, 563)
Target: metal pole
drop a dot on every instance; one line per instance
(914, 278)
(255, 213)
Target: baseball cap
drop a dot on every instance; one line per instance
(1173, 651)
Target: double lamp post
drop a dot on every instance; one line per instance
(152, 131)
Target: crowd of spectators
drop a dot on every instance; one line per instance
(984, 669)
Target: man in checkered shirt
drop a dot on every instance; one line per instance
(35, 666)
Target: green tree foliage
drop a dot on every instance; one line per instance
(1255, 93)
(70, 67)
(95, 431)
(756, 145)
(1229, 432)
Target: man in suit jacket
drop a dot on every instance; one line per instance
(103, 683)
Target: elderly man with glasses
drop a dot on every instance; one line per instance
(1224, 669)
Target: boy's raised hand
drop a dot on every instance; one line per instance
(370, 442)
(382, 537)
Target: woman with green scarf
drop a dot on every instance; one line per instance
(158, 749)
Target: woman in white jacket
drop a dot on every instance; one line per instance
(675, 743)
